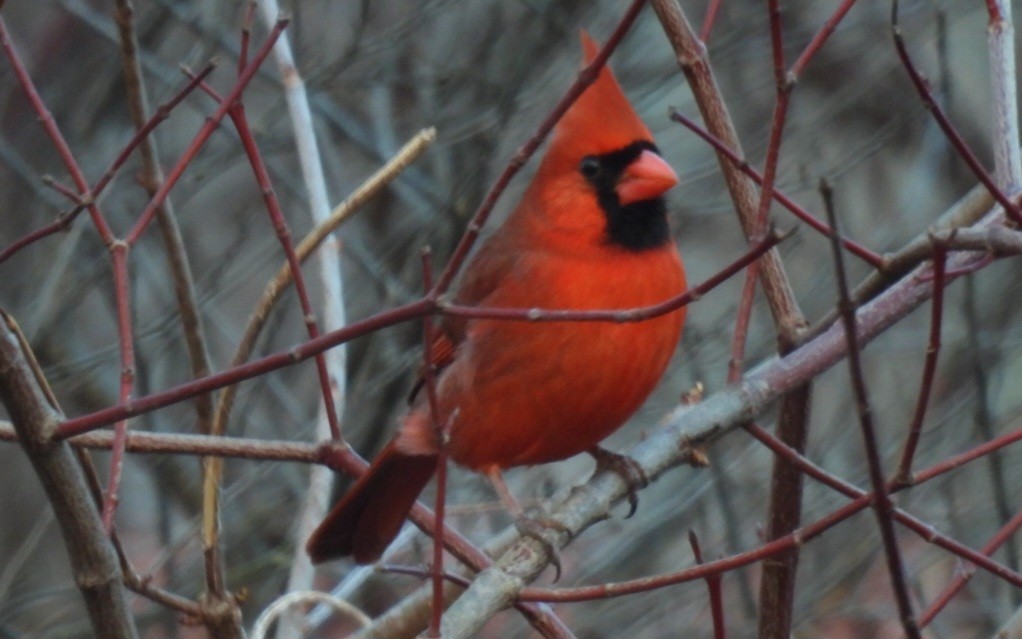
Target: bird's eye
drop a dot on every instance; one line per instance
(590, 167)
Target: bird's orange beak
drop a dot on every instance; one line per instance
(646, 178)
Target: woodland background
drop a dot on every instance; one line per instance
(484, 73)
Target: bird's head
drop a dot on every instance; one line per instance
(602, 154)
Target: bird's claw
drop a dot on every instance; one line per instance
(627, 468)
(536, 528)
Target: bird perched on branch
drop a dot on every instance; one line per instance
(590, 233)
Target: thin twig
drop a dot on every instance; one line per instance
(713, 586)
(204, 133)
(861, 500)
(970, 210)
(882, 506)
(275, 288)
(152, 178)
(777, 585)
(922, 88)
(410, 311)
(821, 36)
(640, 314)
(126, 355)
(963, 575)
(64, 221)
(860, 251)
(708, 20)
(904, 471)
(429, 337)
(295, 598)
(214, 467)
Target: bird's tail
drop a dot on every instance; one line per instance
(370, 515)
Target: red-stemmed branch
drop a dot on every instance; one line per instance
(407, 312)
(53, 133)
(429, 371)
(618, 316)
(743, 315)
(126, 343)
(923, 529)
(207, 129)
(118, 256)
(81, 202)
(236, 112)
(860, 251)
(289, 357)
(713, 585)
(821, 36)
(708, 20)
(701, 571)
(929, 365)
(922, 87)
(965, 574)
(882, 501)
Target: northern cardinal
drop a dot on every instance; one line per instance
(590, 232)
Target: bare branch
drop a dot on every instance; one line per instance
(34, 414)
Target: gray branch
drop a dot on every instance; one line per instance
(34, 414)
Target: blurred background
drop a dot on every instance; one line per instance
(485, 73)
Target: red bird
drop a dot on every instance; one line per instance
(590, 233)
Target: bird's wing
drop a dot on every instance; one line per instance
(482, 276)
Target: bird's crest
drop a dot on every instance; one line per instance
(602, 119)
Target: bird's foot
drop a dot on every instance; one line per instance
(538, 528)
(627, 468)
